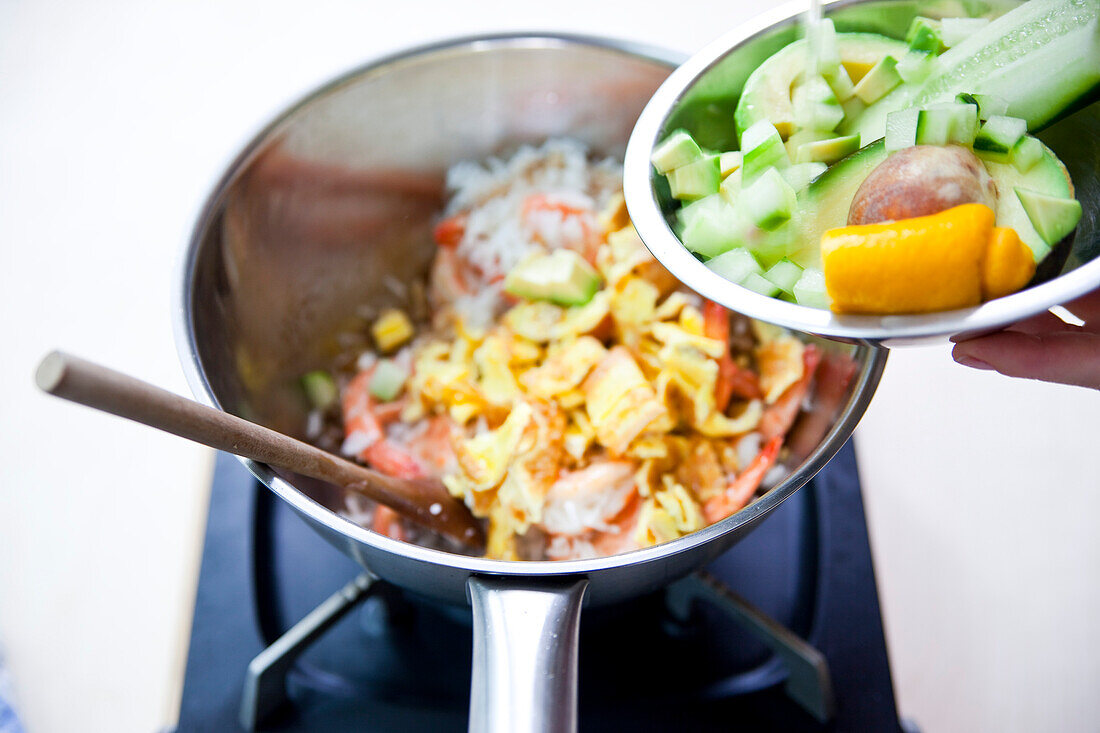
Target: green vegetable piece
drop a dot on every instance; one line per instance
(735, 265)
(731, 187)
(901, 129)
(827, 151)
(824, 47)
(697, 179)
(561, 276)
(678, 149)
(841, 84)
(769, 201)
(916, 66)
(998, 136)
(763, 149)
(730, 161)
(799, 175)
(759, 284)
(882, 77)
(387, 381)
(924, 34)
(815, 105)
(989, 105)
(784, 274)
(1026, 153)
(711, 226)
(942, 124)
(954, 31)
(810, 289)
(1052, 217)
(320, 389)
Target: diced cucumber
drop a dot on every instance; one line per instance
(1052, 217)
(926, 35)
(901, 129)
(731, 187)
(882, 77)
(810, 289)
(800, 175)
(696, 179)
(763, 149)
(759, 284)
(824, 49)
(840, 83)
(815, 105)
(677, 150)
(998, 136)
(942, 124)
(916, 66)
(853, 107)
(1041, 57)
(387, 380)
(561, 276)
(989, 105)
(954, 31)
(784, 274)
(768, 201)
(730, 161)
(827, 151)
(735, 265)
(1026, 153)
(711, 226)
(320, 389)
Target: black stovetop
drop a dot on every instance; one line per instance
(403, 664)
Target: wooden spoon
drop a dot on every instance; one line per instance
(424, 501)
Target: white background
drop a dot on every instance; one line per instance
(116, 117)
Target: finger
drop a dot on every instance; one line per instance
(1066, 358)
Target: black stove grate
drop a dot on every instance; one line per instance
(400, 664)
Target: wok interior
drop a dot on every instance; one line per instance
(328, 218)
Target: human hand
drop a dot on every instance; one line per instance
(1043, 347)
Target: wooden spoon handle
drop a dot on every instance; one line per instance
(77, 380)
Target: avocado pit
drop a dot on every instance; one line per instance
(920, 181)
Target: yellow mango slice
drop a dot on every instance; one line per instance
(918, 265)
(1008, 266)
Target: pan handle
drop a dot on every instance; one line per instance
(525, 654)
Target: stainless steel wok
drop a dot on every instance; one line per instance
(325, 217)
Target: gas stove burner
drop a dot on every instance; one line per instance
(783, 632)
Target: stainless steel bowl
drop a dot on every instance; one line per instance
(325, 217)
(704, 90)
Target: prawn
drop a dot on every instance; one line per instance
(732, 379)
(425, 453)
(779, 416)
(367, 419)
(740, 490)
(592, 511)
(557, 218)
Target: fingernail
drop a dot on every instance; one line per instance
(970, 361)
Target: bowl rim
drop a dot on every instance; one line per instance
(871, 360)
(892, 330)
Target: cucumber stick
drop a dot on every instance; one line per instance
(1043, 57)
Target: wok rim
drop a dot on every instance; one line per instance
(871, 358)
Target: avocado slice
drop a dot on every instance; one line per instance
(561, 276)
(767, 91)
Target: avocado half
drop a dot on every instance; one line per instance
(824, 204)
